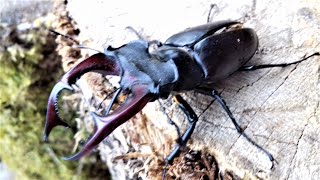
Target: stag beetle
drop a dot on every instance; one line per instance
(194, 59)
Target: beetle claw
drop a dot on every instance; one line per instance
(53, 118)
(90, 144)
(96, 63)
(104, 125)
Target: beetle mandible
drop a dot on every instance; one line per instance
(194, 59)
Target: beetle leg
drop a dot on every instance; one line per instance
(171, 122)
(217, 96)
(104, 125)
(251, 68)
(115, 96)
(109, 94)
(192, 119)
(210, 12)
(221, 101)
(95, 63)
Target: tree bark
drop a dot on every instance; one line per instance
(277, 107)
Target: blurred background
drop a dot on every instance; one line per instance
(29, 66)
(21, 115)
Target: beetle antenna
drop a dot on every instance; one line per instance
(63, 35)
(130, 28)
(78, 45)
(85, 47)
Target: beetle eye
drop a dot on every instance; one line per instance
(153, 46)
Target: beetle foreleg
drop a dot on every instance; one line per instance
(171, 122)
(115, 96)
(262, 66)
(109, 94)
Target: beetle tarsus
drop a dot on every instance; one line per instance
(164, 172)
(262, 66)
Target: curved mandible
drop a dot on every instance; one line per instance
(139, 97)
(96, 63)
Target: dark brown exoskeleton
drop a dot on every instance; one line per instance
(194, 59)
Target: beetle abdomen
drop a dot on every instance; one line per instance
(222, 54)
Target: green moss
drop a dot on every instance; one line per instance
(24, 89)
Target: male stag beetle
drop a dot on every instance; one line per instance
(194, 59)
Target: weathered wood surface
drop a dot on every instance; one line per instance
(278, 108)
